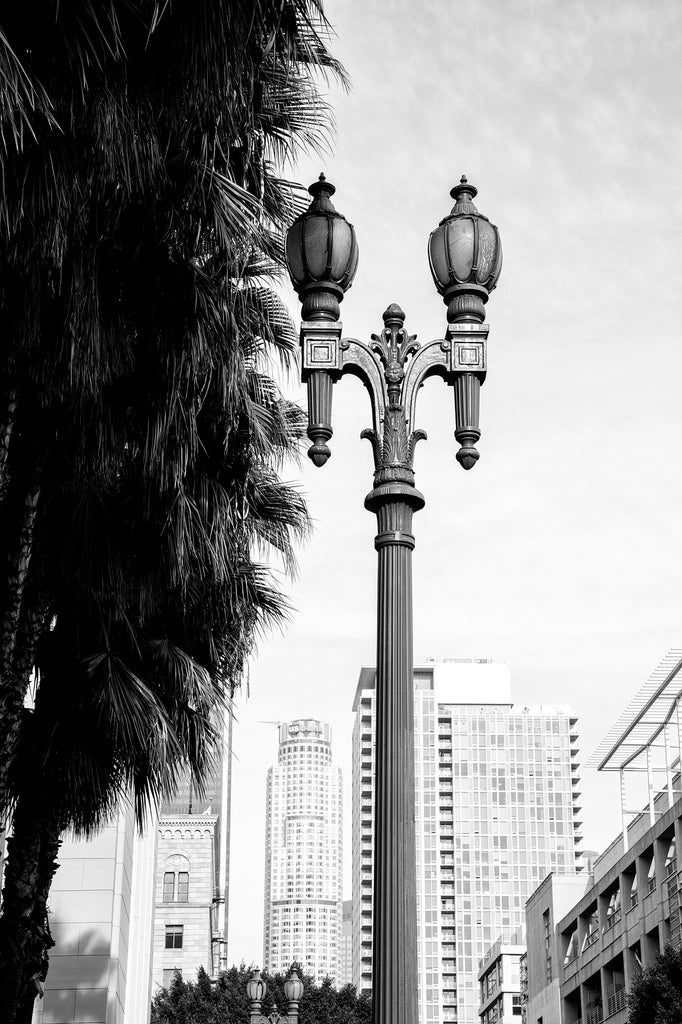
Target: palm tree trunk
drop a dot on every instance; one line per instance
(24, 935)
(13, 682)
(18, 904)
(6, 431)
(37, 961)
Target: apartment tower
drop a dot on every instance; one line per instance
(496, 811)
(303, 853)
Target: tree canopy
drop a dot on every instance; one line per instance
(656, 996)
(226, 1001)
(142, 435)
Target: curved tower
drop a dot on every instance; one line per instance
(303, 853)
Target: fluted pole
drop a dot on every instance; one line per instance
(394, 942)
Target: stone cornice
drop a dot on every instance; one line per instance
(199, 825)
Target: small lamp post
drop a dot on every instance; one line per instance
(466, 258)
(256, 988)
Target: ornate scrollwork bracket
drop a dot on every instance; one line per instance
(393, 367)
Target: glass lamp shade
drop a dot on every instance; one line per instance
(255, 988)
(465, 249)
(321, 247)
(293, 987)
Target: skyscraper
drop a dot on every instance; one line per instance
(303, 853)
(496, 810)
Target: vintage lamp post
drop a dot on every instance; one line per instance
(466, 258)
(293, 990)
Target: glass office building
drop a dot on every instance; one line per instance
(303, 853)
(496, 811)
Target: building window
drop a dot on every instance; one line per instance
(634, 899)
(548, 946)
(183, 886)
(176, 887)
(173, 936)
(671, 860)
(168, 975)
(168, 887)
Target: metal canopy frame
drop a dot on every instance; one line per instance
(645, 726)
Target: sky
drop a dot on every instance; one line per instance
(560, 553)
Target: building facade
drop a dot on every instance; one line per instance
(346, 958)
(582, 960)
(304, 853)
(185, 889)
(101, 910)
(499, 979)
(624, 919)
(496, 810)
(552, 899)
(192, 874)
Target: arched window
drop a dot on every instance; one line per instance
(176, 879)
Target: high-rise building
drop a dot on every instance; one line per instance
(192, 873)
(346, 958)
(496, 810)
(303, 853)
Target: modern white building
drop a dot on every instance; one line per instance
(101, 911)
(303, 853)
(496, 811)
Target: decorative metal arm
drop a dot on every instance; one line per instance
(392, 380)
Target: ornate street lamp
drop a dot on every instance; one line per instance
(466, 258)
(256, 988)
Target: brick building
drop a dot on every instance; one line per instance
(184, 922)
(192, 875)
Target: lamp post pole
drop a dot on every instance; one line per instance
(466, 257)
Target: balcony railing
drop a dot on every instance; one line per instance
(612, 919)
(590, 939)
(594, 1015)
(615, 1001)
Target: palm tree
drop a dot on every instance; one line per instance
(110, 675)
(140, 440)
(142, 149)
